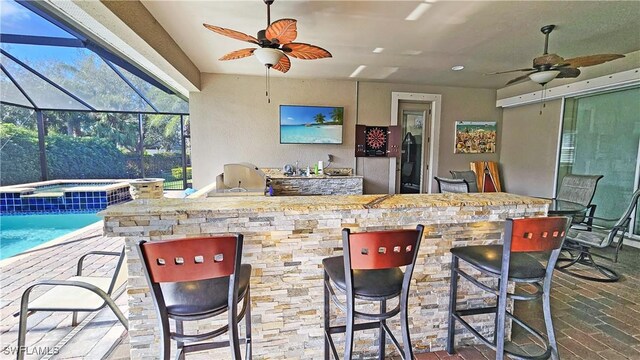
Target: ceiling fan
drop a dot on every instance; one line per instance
(550, 66)
(275, 43)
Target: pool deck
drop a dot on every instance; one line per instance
(96, 335)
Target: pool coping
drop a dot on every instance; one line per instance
(112, 184)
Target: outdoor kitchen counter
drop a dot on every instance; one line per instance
(285, 240)
(343, 184)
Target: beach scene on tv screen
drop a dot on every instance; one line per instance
(311, 124)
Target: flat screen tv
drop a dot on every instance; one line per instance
(311, 124)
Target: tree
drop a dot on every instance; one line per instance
(19, 116)
(337, 114)
(319, 118)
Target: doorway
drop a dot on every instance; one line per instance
(414, 119)
(418, 114)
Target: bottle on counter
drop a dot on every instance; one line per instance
(308, 171)
(320, 168)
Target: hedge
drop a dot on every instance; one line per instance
(19, 155)
(71, 157)
(155, 165)
(68, 157)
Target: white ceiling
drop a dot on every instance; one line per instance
(484, 36)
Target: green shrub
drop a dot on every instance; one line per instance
(177, 173)
(68, 157)
(19, 157)
(71, 157)
(155, 165)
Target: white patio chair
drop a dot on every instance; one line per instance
(78, 293)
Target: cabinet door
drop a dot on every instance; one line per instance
(361, 140)
(394, 141)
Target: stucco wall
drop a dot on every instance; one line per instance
(529, 148)
(231, 121)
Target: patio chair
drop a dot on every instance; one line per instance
(452, 185)
(78, 293)
(468, 175)
(580, 189)
(598, 237)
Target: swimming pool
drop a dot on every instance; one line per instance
(63, 196)
(22, 232)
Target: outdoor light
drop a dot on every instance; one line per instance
(544, 77)
(268, 56)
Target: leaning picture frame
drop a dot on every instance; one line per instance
(475, 137)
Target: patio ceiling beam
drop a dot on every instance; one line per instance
(40, 40)
(36, 73)
(6, 72)
(131, 85)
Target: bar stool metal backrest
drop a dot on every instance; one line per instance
(369, 270)
(194, 279)
(510, 263)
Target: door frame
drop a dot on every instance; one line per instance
(434, 131)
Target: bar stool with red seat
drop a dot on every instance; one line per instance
(371, 263)
(195, 279)
(511, 263)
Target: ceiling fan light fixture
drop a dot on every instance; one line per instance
(268, 56)
(544, 77)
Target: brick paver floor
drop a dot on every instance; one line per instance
(53, 331)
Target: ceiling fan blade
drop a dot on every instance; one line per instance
(548, 59)
(568, 72)
(283, 65)
(282, 31)
(509, 71)
(238, 54)
(591, 60)
(232, 34)
(305, 51)
(520, 78)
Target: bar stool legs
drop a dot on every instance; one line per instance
(370, 271)
(453, 292)
(507, 263)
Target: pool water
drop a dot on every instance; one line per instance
(23, 232)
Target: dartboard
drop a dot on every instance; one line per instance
(376, 138)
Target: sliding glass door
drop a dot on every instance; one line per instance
(601, 136)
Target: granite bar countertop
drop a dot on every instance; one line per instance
(314, 203)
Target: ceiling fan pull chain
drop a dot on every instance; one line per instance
(542, 98)
(266, 84)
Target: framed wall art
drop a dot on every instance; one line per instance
(311, 124)
(475, 137)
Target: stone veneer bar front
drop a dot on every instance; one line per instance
(286, 239)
